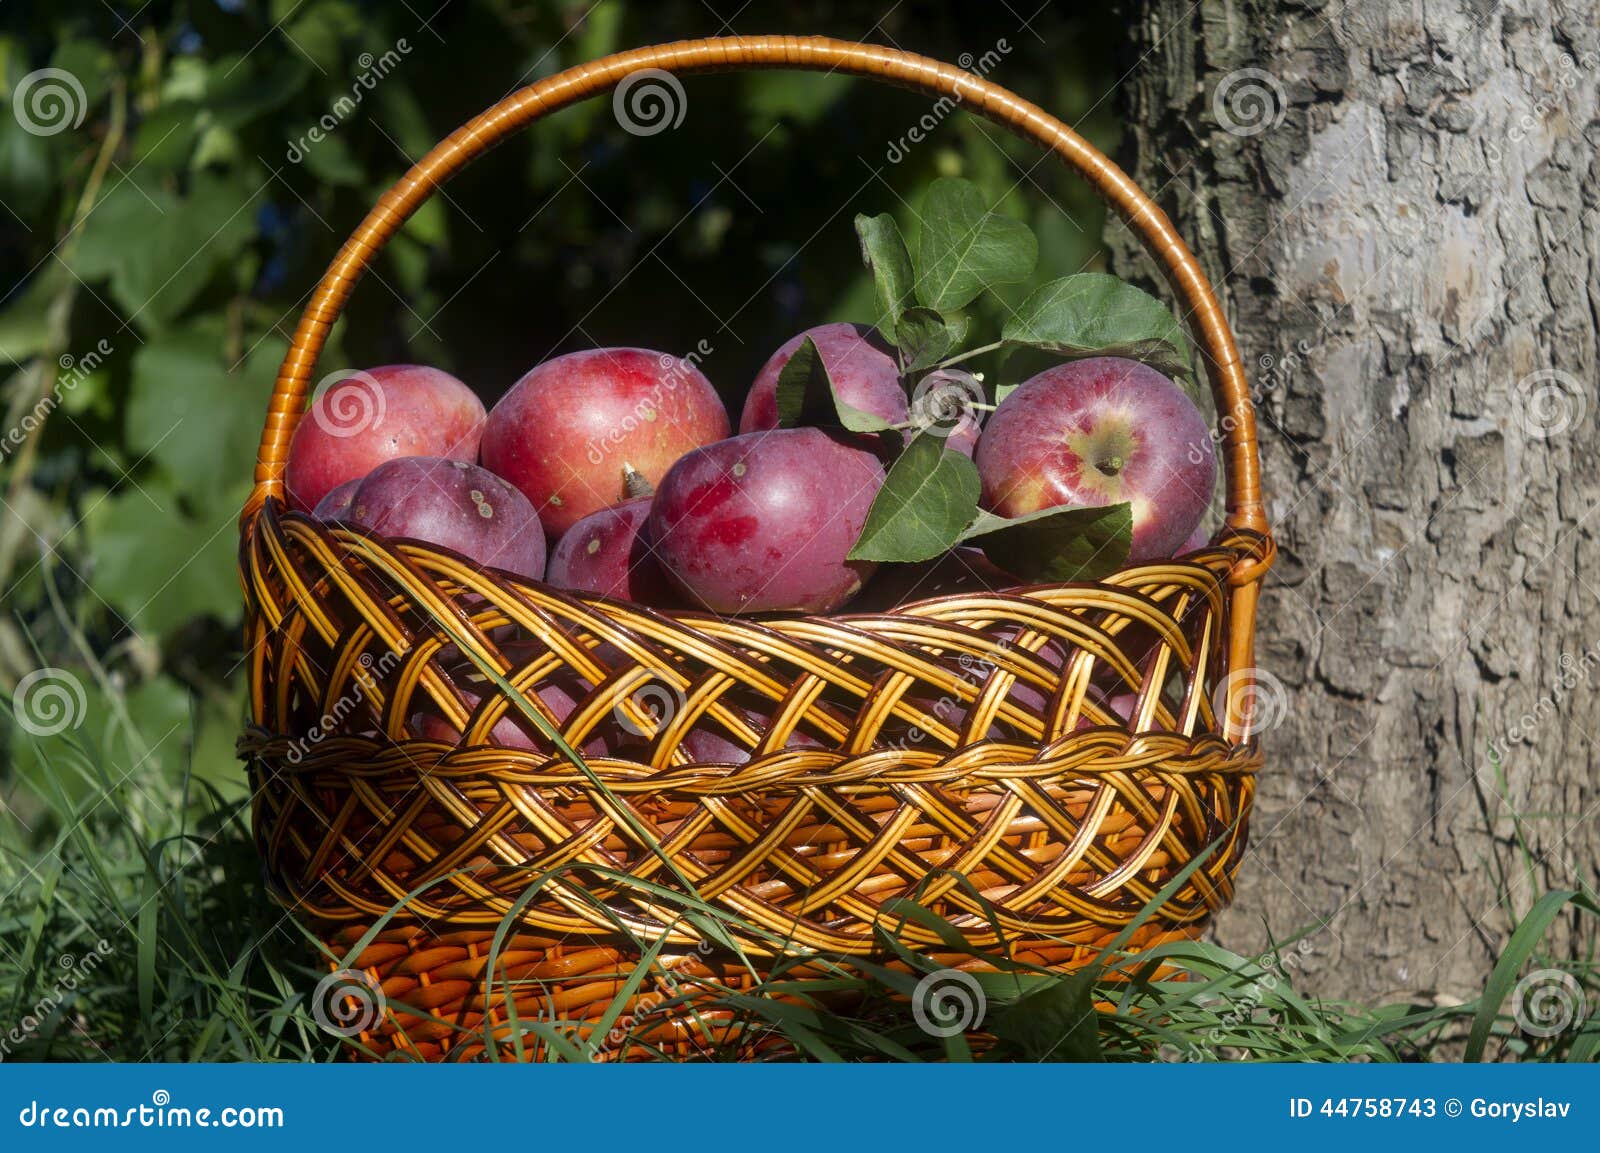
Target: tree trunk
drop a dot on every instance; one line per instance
(1398, 204)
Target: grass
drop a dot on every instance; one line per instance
(134, 926)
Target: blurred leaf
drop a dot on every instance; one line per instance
(329, 160)
(166, 135)
(91, 63)
(884, 253)
(803, 97)
(191, 416)
(319, 30)
(25, 175)
(25, 317)
(428, 225)
(158, 567)
(186, 80)
(966, 248)
(242, 90)
(158, 249)
(927, 500)
(806, 396)
(1093, 314)
(1065, 543)
(402, 116)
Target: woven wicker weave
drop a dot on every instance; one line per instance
(964, 734)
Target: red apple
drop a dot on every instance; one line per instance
(454, 504)
(358, 420)
(1097, 432)
(1198, 540)
(336, 505)
(568, 432)
(606, 553)
(763, 522)
(863, 370)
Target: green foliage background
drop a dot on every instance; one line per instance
(186, 218)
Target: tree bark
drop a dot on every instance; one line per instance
(1398, 204)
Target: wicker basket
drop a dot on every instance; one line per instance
(1063, 820)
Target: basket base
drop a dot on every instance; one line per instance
(434, 1004)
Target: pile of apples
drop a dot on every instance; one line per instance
(613, 472)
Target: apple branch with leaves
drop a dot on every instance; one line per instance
(930, 499)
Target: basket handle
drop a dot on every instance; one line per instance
(1236, 416)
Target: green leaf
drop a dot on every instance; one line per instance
(186, 412)
(166, 135)
(927, 500)
(805, 396)
(159, 250)
(1093, 314)
(331, 162)
(966, 248)
(925, 337)
(158, 567)
(1524, 940)
(884, 253)
(1055, 1023)
(1066, 543)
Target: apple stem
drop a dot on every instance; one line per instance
(634, 483)
(968, 355)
